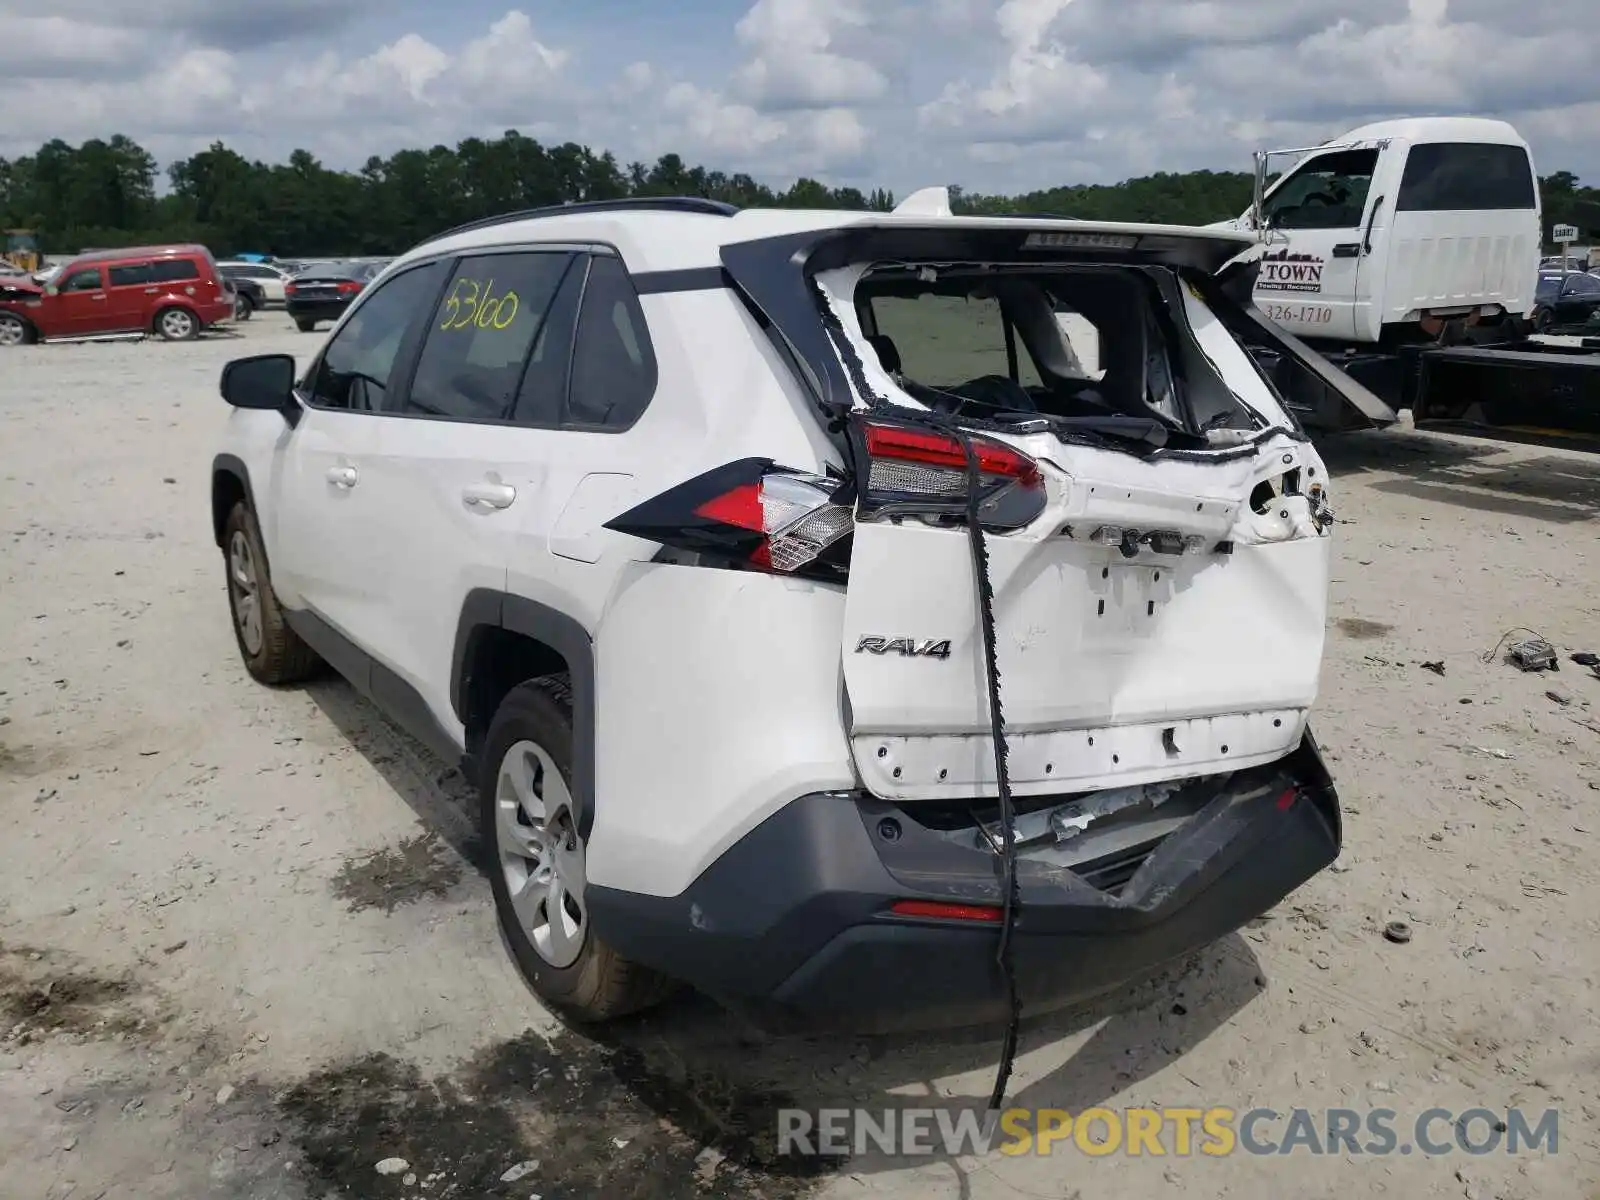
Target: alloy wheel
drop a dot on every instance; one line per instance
(540, 853)
(177, 324)
(245, 585)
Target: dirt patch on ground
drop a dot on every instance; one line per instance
(417, 868)
(41, 996)
(567, 1118)
(1361, 629)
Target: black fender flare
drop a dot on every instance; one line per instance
(485, 609)
(229, 464)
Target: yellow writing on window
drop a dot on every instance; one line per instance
(473, 303)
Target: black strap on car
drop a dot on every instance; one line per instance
(1012, 898)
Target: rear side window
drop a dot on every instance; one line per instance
(355, 369)
(131, 275)
(174, 270)
(1466, 176)
(613, 362)
(480, 335)
(1582, 285)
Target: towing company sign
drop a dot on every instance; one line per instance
(1282, 271)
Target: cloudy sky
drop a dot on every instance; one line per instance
(996, 96)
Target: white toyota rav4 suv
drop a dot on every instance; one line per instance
(822, 602)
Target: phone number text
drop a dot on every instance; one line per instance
(1301, 314)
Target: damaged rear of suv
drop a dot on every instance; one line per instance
(1021, 652)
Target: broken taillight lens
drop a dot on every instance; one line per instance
(751, 514)
(922, 472)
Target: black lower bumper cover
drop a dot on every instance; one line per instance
(794, 918)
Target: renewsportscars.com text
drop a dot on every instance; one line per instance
(1162, 1132)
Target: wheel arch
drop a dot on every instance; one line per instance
(230, 483)
(503, 641)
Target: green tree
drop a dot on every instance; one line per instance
(103, 193)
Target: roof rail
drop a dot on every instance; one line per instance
(682, 204)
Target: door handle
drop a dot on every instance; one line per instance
(1347, 250)
(342, 477)
(489, 495)
(100, 297)
(151, 291)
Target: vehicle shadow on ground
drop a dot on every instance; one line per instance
(712, 1084)
(1498, 477)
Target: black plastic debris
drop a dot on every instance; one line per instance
(1585, 659)
(1436, 667)
(1534, 654)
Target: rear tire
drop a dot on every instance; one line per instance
(528, 818)
(272, 652)
(305, 326)
(243, 307)
(1543, 319)
(176, 324)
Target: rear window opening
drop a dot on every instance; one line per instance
(998, 342)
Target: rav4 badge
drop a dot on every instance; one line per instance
(905, 647)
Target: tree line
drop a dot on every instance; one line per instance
(104, 193)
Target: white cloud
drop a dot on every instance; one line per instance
(797, 58)
(998, 95)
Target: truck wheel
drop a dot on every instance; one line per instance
(14, 331)
(272, 652)
(537, 874)
(177, 324)
(242, 307)
(305, 326)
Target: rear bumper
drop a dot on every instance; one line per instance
(316, 310)
(793, 920)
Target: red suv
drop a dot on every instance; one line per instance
(174, 291)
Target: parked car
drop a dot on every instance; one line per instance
(250, 297)
(659, 523)
(1565, 298)
(323, 293)
(270, 277)
(174, 291)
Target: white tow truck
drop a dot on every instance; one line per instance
(1407, 253)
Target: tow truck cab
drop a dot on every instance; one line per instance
(1392, 232)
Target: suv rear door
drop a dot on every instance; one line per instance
(132, 287)
(503, 442)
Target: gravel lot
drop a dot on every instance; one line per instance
(244, 950)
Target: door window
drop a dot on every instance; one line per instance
(613, 363)
(87, 280)
(1327, 191)
(481, 334)
(131, 275)
(355, 369)
(542, 396)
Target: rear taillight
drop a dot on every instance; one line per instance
(914, 471)
(348, 287)
(751, 514)
(288, 289)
